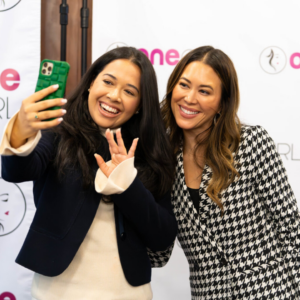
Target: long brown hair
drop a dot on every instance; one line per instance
(224, 136)
(80, 137)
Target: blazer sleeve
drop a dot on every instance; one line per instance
(159, 259)
(274, 189)
(153, 220)
(16, 168)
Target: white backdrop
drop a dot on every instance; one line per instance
(19, 66)
(248, 31)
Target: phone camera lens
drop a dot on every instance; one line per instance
(49, 69)
(45, 65)
(43, 71)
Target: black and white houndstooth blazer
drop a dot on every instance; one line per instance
(253, 251)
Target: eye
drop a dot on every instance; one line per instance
(204, 92)
(183, 84)
(129, 92)
(107, 82)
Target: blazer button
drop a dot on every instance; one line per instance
(223, 261)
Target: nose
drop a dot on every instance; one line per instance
(190, 98)
(114, 95)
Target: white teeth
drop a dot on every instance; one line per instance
(188, 112)
(108, 108)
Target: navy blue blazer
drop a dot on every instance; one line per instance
(65, 212)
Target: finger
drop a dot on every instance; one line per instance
(122, 148)
(40, 95)
(42, 125)
(133, 148)
(102, 164)
(45, 104)
(110, 139)
(45, 115)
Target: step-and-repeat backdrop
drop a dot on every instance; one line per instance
(19, 66)
(262, 39)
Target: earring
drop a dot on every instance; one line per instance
(215, 118)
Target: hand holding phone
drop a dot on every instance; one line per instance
(33, 113)
(42, 109)
(53, 72)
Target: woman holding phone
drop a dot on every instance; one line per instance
(238, 221)
(94, 220)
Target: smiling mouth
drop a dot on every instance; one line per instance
(108, 109)
(188, 112)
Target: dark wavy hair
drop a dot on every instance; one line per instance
(80, 137)
(224, 135)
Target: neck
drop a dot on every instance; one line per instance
(190, 140)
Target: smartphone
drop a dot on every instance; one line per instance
(53, 72)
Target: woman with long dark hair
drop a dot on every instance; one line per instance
(238, 221)
(95, 220)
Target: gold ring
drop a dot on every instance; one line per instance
(36, 116)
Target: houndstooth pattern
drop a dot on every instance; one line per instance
(253, 251)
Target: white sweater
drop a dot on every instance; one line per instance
(96, 271)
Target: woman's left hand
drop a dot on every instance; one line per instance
(118, 152)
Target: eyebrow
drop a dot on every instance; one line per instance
(201, 85)
(127, 83)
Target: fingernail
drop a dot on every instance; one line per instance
(119, 129)
(137, 139)
(64, 111)
(55, 86)
(95, 154)
(60, 120)
(107, 130)
(64, 100)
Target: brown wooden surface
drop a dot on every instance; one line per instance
(50, 37)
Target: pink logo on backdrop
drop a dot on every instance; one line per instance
(12, 207)
(157, 56)
(171, 57)
(295, 60)
(7, 296)
(10, 79)
(273, 60)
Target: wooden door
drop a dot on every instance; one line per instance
(50, 37)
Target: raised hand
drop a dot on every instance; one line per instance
(117, 150)
(32, 113)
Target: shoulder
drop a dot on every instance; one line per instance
(256, 140)
(253, 134)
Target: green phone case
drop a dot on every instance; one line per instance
(59, 76)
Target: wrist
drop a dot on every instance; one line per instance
(17, 137)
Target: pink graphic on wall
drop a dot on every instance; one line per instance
(12, 207)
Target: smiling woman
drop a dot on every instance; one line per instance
(78, 244)
(114, 95)
(238, 220)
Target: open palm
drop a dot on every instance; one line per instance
(117, 150)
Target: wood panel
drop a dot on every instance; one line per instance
(50, 37)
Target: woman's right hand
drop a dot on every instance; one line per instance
(32, 113)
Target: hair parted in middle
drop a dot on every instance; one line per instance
(80, 137)
(224, 136)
